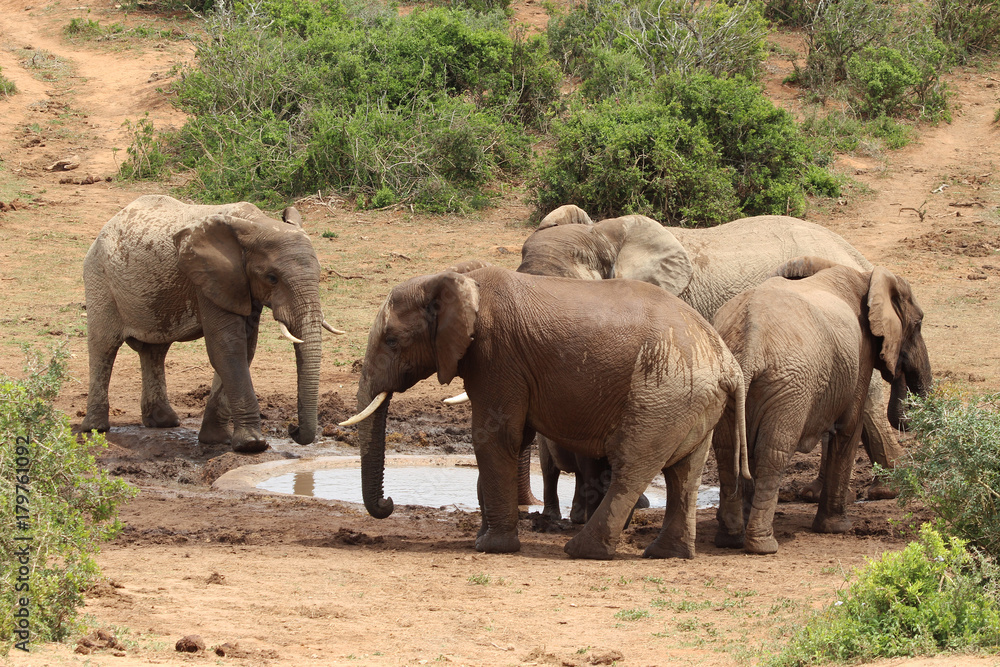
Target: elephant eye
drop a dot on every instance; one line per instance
(271, 278)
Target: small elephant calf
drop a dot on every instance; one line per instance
(807, 347)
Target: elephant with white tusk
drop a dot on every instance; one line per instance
(162, 271)
(531, 350)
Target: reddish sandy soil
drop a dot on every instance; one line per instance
(279, 580)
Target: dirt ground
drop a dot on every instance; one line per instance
(280, 580)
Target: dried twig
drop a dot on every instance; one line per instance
(341, 275)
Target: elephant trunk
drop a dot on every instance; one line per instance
(915, 375)
(371, 441)
(308, 354)
(897, 394)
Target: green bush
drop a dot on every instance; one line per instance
(614, 44)
(888, 82)
(837, 31)
(933, 596)
(145, 154)
(954, 467)
(635, 157)
(757, 140)
(292, 96)
(71, 505)
(970, 26)
(882, 79)
(697, 149)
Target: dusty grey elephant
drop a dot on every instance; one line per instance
(531, 351)
(807, 348)
(705, 268)
(162, 271)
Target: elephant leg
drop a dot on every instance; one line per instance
(599, 537)
(226, 339)
(525, 497)
(550, 480)
(771, 454)
(810, 493)
(729, 514)
(881, 444)
(676, 537)
(156, 410)
(102, 351)
(831, 517)
(497, 459)
(215, 422)
(595, 477)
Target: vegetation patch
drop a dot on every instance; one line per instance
(7, 86)
(932, 596)
(56, 504)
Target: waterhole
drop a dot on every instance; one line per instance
(447, 487)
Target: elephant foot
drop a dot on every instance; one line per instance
(248, 441)
(493, 543)
(881, 491)
(578, 515)
(642, 503)
(761, 545)
(726, 540)
(810, 492)
(585, 546)
(214, 434)
(160, 416)
(101, 425)
(836, 523)
(669, 549)
(552, 513)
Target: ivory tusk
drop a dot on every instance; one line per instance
(332, 329)
(288, 334)
(364, 414)
(455, 400)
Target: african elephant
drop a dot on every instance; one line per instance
(162, 271)
(534, 356)
(705, 268)
(807, 347)
(592, 478)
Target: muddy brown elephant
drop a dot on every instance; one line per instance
(807, 347)
(706, 268)
(162, 271)
(534, 357)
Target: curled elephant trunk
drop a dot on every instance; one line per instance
(371, 441)
(307, 360)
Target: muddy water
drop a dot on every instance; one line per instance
(445, 487)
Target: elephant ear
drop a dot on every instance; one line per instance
(569, 214)
(210, 254)
(883, 316)
(650, 253)
(452, 310)
(803, 267)
(292, 216)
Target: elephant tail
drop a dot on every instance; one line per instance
(738, 393)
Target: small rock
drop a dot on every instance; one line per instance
(216, 578)
(82, 650)
(190, 644)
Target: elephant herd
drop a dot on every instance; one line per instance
(628, 349)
